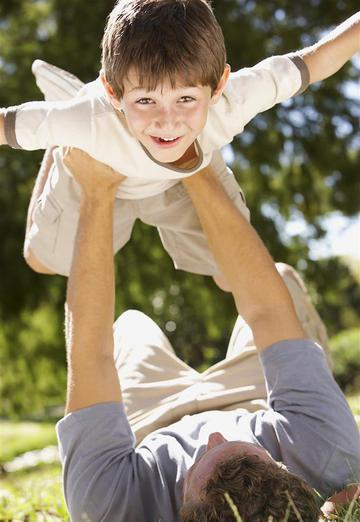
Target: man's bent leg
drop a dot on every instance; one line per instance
(305, 310)
(238, 380)
(242, 338)
(152, 377)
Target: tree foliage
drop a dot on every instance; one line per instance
(296, 161)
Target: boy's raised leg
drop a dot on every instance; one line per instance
(55, 84)
(41, 179)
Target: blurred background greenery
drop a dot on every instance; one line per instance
(298, 161)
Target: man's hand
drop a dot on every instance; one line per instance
(92, 376)
(95, 178)
(328, 55)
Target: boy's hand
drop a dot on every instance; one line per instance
(3, 140)
(94, 177)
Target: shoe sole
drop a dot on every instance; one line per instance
(55, 83)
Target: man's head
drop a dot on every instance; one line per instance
(259, 487)
(164, 64)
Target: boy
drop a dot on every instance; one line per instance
(164, 105)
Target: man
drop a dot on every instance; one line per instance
(206, 465)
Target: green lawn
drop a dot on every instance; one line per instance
(33, 496)
(18, 437)
(36, 495)
(354, 402)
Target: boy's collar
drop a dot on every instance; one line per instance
(187, 166)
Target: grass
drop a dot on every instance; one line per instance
(354, 402)
(36, 495)
(350, 513)
(33, 496)
(18, 437)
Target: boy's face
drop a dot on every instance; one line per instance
(167, 120)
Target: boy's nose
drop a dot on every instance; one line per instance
(167, 120)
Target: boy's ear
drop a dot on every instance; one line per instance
(221, 85)
(107, 85)
(109, 90)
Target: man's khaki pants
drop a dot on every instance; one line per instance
(159, 388)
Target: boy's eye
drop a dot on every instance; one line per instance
(187, 99)
(144, 101)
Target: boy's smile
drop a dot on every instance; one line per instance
(167, 120)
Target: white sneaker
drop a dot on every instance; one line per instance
(55, 83)
(305, 310)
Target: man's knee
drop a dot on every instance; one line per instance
(34, 263)
(130, 318)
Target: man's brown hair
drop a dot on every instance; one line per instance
(179, 41)
(259, 490)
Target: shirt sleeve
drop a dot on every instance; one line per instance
(317, 433)
(105, 478)
(256, 89)
(39, 125)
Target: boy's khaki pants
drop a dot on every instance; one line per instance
(159, 388)
(55, 216)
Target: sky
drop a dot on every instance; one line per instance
(343, 238)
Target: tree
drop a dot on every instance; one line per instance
(299, 159)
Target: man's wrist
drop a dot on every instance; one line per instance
(206, 173)
(99, 198)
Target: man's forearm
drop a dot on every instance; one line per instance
(329, 54)
(260, 295)
(90, 308)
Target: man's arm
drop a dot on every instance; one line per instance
(259, 292)
(330, 53)
(92, 376)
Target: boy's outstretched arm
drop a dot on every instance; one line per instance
(330, 53)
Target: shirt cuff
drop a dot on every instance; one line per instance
(304, 72)
(9, 128)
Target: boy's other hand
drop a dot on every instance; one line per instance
(3, 140)
(94, 177)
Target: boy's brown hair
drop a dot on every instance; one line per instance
(179, 41)
(261, 491)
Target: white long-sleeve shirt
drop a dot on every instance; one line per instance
(90, 122)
